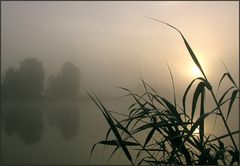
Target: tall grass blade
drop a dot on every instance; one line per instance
(116, 143)
(114, 151)
(230, 78)
(223, 136)
(114, 129)
(187, 45)
(92, 152)
(149, 137)
(145, 87)
(233, 97)
(172, 109)
(187, 90)
(173, 84)
(193, 128)
(198, 91)
(202, 111)
(225, 93)
(119, 125)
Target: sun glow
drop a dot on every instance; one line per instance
(196, 72)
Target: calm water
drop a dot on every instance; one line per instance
(54, 133)
(64, 132)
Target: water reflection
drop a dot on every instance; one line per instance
(66, 118)
(30, 120)
(24, 120)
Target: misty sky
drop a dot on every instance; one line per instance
(112, 42)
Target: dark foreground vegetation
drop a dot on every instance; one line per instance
(158, 131)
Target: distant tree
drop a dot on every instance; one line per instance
(66, 84)
(24, 83)
(70, 80)
(10, 86)
(31, 77)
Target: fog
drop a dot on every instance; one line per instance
(112, 42)
(106, 45)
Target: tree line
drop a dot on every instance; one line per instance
(27, 82)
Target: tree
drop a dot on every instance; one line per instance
(31, 77)
(10, 87)
(66, 84)
(24, 83)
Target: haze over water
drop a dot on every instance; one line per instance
(110, 43)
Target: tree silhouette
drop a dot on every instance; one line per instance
(66, 84)
(24, 83)
(31, 77)
(10, 86)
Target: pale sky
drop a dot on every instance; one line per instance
(112, 42)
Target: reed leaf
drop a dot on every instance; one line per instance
(223, 136)
(202, 111)
(233, 97)
(150, 135)
(229, 77)
(187, 90)
(194, 58)
(116, 143)
(225, 93)
(113, 127)
(198, 91)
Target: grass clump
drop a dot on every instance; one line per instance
(168, 128)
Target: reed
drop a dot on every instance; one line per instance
(168, 127)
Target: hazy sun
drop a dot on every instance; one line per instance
(196, 72)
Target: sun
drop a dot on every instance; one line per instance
(196, 72)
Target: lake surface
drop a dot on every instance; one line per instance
(54, 133)
(65, 132)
